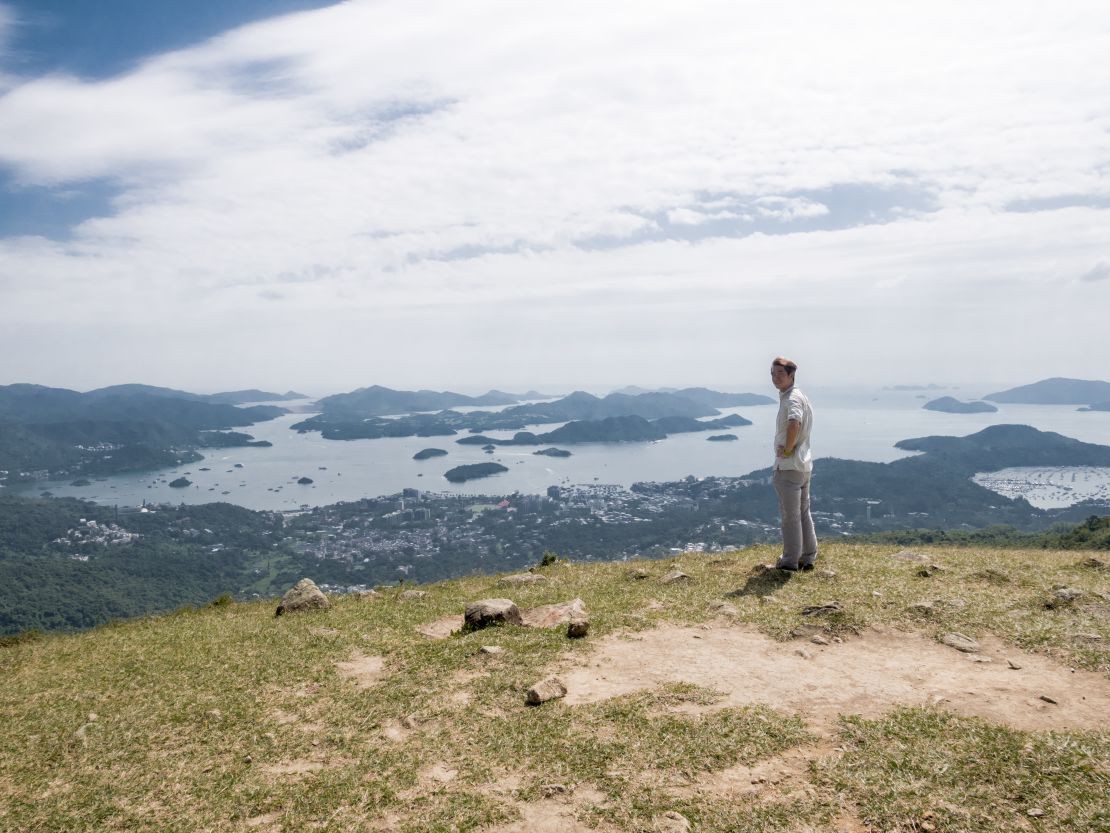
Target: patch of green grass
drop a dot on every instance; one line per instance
(177, 723)
(918, 766)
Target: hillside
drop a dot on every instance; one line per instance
(736, 699)
(1055, 391)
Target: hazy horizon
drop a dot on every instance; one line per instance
(322, 196)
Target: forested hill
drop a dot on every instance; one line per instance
(63, 432)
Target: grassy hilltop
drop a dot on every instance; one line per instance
(739, 699)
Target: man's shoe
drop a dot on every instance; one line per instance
(806, 567)
(786, 567)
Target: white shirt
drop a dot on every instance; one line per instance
(793, 405)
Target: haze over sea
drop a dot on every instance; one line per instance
(856, 424)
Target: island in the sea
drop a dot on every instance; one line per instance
(1055, 391)
(304, 481)
(180, 483)
(722, 438)
(951, 405)
(473, 471)
(427, 453)
(553, 452)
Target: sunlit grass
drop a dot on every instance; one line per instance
(190, 721)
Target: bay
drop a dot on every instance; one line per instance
(856, 424)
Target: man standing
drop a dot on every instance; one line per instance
(793, 466)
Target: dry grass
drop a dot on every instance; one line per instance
(229, 719)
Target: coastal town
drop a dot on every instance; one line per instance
(423, 536)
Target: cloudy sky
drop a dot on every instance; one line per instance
(471, 194)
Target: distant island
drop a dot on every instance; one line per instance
(243, 397)
(1055, 391)
(1097, 406)
(427, 453)
(722, 438)
(553, 452)
(623, 429)
(305, 481)
(951, 405)
(55, 432)
(473, 471)
(180, 483)
(348, 420)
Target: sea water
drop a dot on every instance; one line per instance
(858, 425)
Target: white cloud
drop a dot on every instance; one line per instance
(378, 161)
(1099, 272)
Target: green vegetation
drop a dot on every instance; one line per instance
(226, 718)
(472, 471)
(1092, 534)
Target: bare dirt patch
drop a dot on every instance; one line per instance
(364, 670)
(780, 777)
(441, 628)
(558, 814)
(867, 675)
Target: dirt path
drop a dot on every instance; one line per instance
(867, 675)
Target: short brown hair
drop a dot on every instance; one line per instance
(787, 365)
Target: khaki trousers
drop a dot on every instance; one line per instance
(799, 541)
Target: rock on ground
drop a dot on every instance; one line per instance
(304, 595)
(578, 627)
(486, 612)
(673, 576)
(548, 616)
(550, 689)
(960, 642)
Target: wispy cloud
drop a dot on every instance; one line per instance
(1099, 272)
(376, 156)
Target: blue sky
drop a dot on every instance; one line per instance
(434, 194)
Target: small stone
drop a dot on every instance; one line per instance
(1048, 699)
(304, 595)
(922, 608)
(671, 822)
(930, 570)
(1062, 597)
(803, 653)
(961, 643)
(1013, 665)
(491, 650)
(486, 612)
(979, 658)
(820, 610)
(412, 595)
(549, 790)
(1095, 564)
(91, 717)
(639, 574)
(1035, 812)
(724, 609)
(578, 628)
(817, 639)
(826, 574)
(550, 689)
(673, 576)
(367, 595)
(247, 759)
